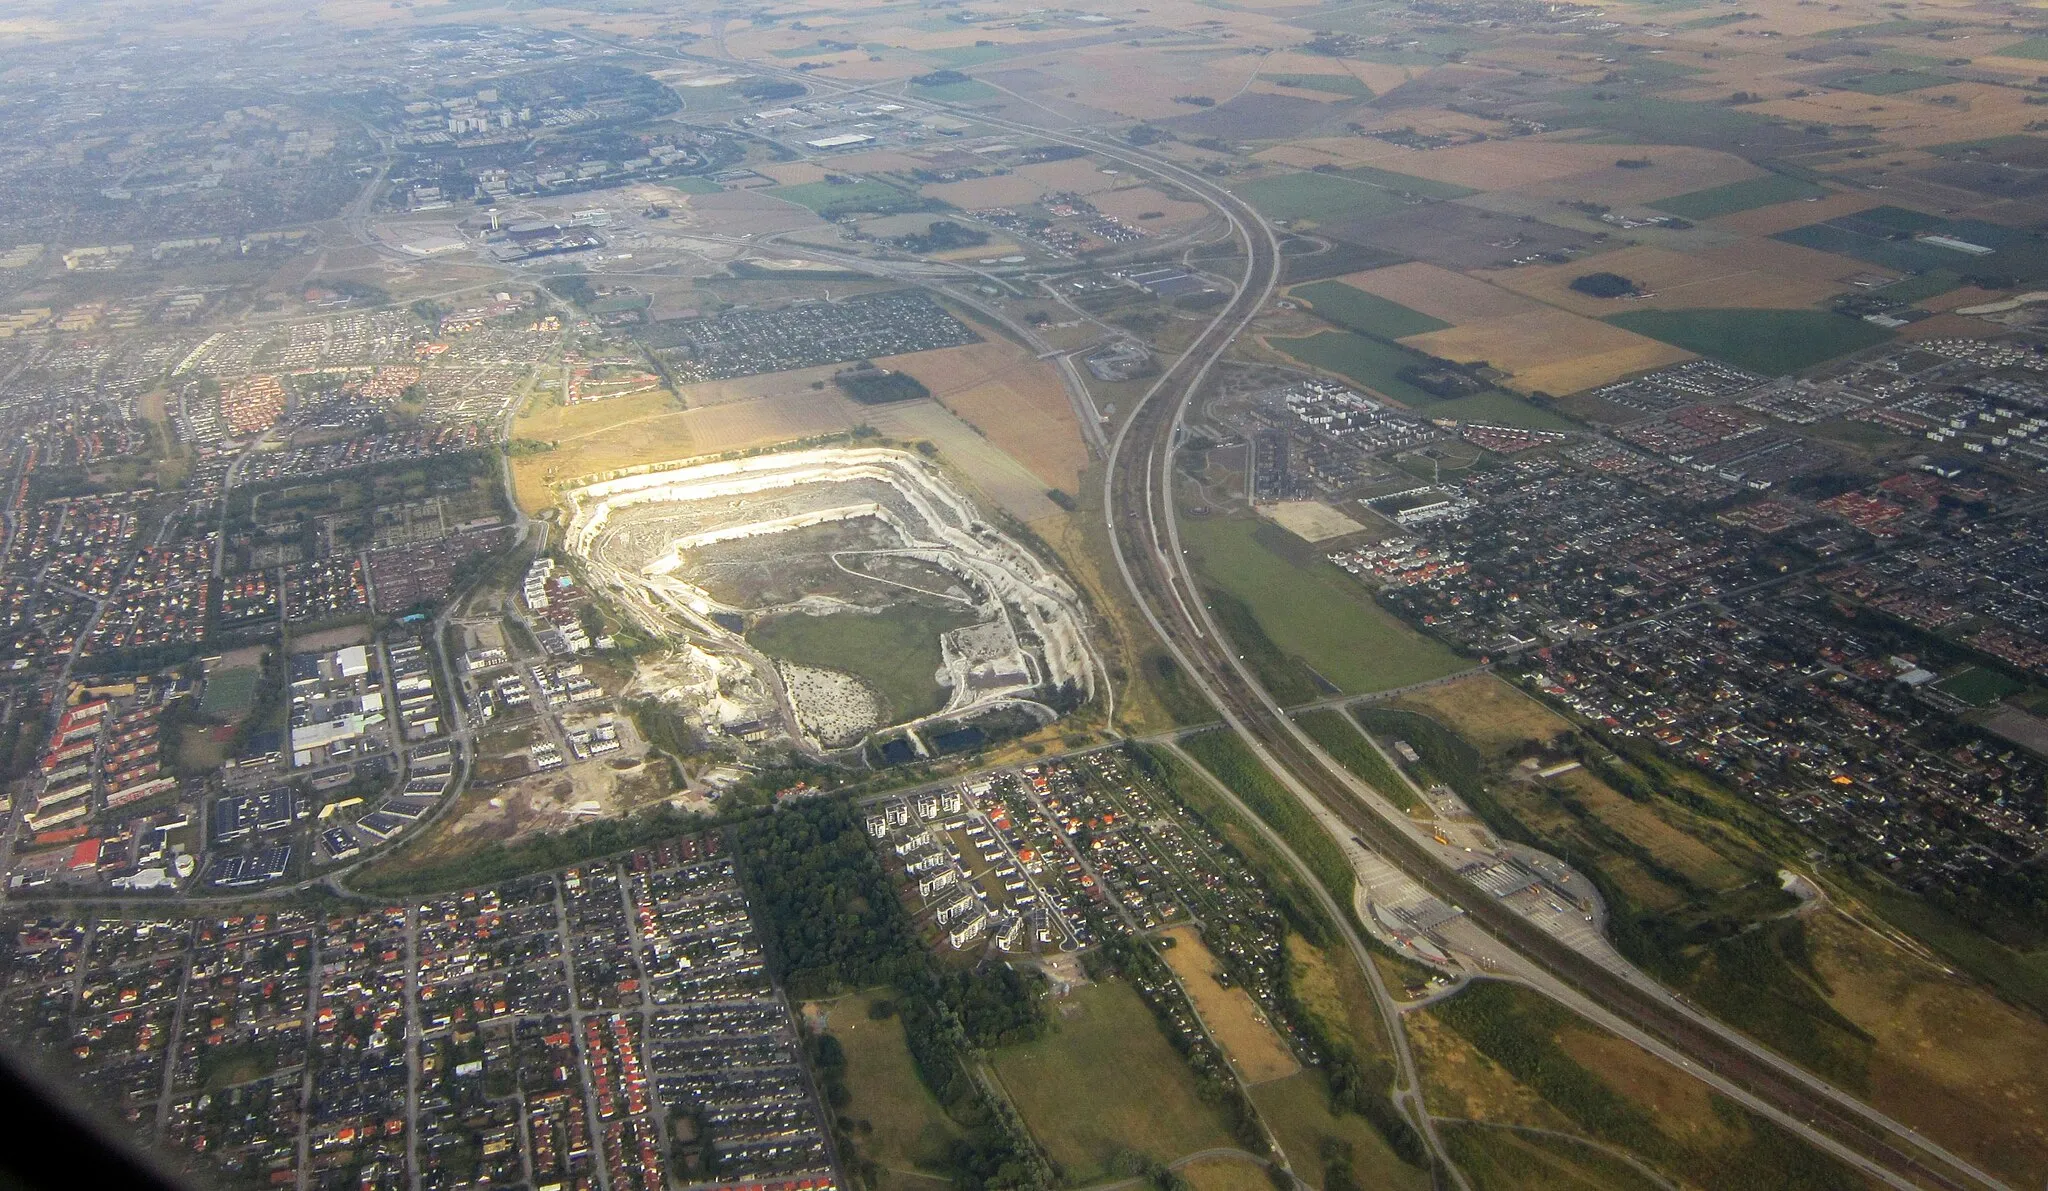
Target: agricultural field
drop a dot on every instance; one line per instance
(1017, 401)
(1368, 363)
(1552, 351)
(1311, 610)
(1363, 312)
(1104, 1080)
(1770, 342)
(1318, 198)
(1733, 197)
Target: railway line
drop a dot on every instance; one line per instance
(1139, 509)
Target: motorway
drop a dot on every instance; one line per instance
(1140, 511)
(1140, 508)
(1144, 532)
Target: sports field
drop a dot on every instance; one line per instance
(1771, 342)
(1311, 609)
(1104, 1080)
(896, 650)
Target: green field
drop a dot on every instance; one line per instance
(229, 693)
(1979, 687)
(1891, 82)
(1389, 180)
(896, 650)
(1716, 201)
(1497, 408)
(1298, 1108)
(830, 200)
(2032, 47)
(1369, 314)
(1320, 197)
(1332, 84)
(1105, 1080)
(1368, 362)
(1311, 609)
(694, 185)
(1772, 342)
(911, 1132)
(1921, 286)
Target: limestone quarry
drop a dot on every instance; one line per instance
(701, 554)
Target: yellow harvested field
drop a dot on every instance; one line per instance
(598, 435)
(1440, 293)
(1233, 1018)
(1131, 202)
(1968, 295)
(1309, 520)
(793, 173)
(1527, 163)
(1949, 326)
(1342, 152)
(753, 388)
(1673, 173)
(1551, 350)
(879, 161)
(1675, 280)
(1082, 175)
(1779, 217)
(739, 425)
(1003, 190)
(1012, 397)
(1001, 480)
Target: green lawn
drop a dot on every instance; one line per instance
(1320, 197)
(831, 200)
(230, 692)
(694, 185)
(896, 651)
(1739, 196)
(1498, 408)
(1332, 84)
(1104, 1080)
(1368, 362)
(1772, 342)
(1311, 609)
(1369, 314)
(1980, 687)
(1298, 1108)
(911, 1130)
